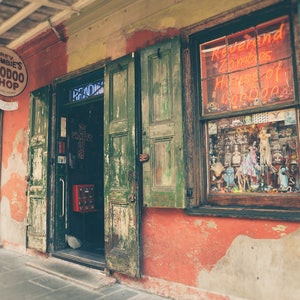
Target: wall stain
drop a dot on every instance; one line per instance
(144, 38)
(256, 268)
(176, 247)
(13, 182)
(14, 191)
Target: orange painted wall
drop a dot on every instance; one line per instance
(176, 247)
(45, 59)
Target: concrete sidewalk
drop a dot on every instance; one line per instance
(25, 277)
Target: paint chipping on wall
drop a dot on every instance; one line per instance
(13, 231)
(14, 191)
(212, 224)
(280, 229)
(16, 160)
(255, 269)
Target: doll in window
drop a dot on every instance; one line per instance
(264, 147)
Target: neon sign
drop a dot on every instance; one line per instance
(249, 68)
(87, 91)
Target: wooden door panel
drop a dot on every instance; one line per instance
(122, 247)
(37, 231)
(38, 169)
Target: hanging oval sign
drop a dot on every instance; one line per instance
(13, 73)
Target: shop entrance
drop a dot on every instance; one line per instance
(68, 172)
(80, 194)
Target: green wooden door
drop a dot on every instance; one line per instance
(38, 169)
(122, 247)
(163, 174)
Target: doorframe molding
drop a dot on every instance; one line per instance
(81, 72)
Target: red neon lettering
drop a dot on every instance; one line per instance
(220, 84)
(275, 90)
(277, 70)
(278, 35)
(223, 65)
(215, 55)
(244, 85)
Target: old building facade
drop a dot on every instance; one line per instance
(165, 136)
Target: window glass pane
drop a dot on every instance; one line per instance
(242, 50)
(249, 68)
(277, 82)
(213, 58)
(215, 94)
(255, 153)
(244, 89)
(274, 40)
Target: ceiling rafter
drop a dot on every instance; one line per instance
(32, 17)
(19, 16)
(50, 4)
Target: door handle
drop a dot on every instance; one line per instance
(62, 196)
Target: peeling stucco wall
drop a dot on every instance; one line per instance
(13, 232)
(45, 59)
(257, 269)
(13, 174)
(249, 259)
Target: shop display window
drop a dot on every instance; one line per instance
(254, 153)
(245, 75)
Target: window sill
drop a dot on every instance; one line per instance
(245, 213)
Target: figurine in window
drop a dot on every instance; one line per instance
(247, 171)
(217, 174)
(236, 156)
(283, 176)
(229, 177)
(264, 147)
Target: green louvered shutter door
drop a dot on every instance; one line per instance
(163, 174)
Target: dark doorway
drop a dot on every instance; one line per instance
(79, 203)
(84, 183)
(85, 174)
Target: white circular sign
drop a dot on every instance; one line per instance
(13, 73)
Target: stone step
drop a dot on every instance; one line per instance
(84, 276)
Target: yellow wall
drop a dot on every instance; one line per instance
(103, 30)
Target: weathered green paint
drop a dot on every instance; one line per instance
(121, 208)
(38, 169)
(162, 125)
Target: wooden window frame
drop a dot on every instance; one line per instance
(200, 201)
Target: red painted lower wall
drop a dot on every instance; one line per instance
(176, 247)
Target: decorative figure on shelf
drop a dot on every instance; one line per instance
(236, 156)
(264, 148)
(229, 177)
(248, 168)
(293, 182)
(228, 156)
(283, 176)
(218, 170)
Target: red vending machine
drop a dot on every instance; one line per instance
(83, 198)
